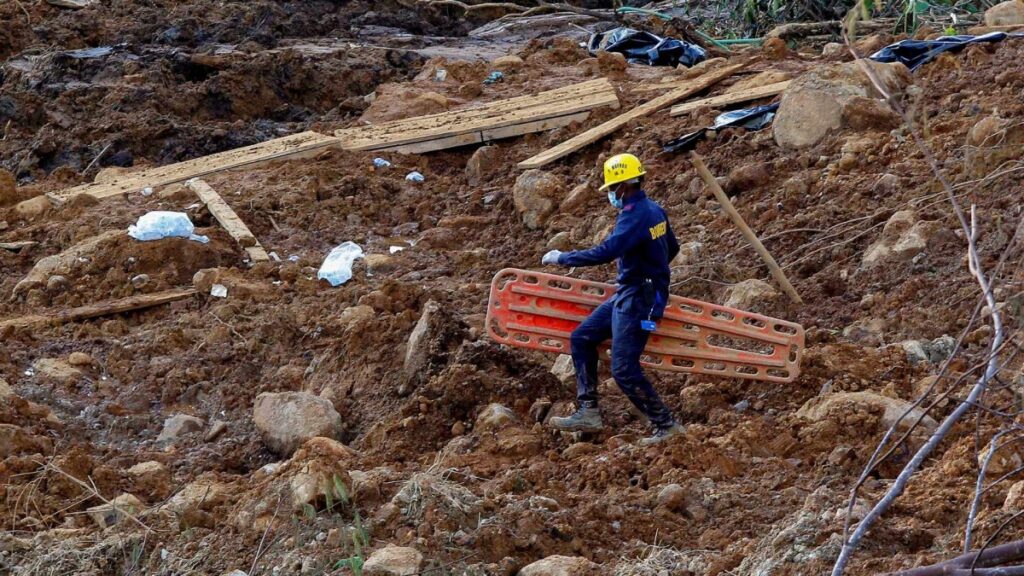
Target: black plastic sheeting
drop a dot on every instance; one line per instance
(915, 53)
(754, 118)
(645, 48)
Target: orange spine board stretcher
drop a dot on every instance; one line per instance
(539, 311)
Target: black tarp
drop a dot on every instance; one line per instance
(641, 47)
(914, 53)
(754, 118)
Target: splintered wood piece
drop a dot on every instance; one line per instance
(107, 308)
(734, 98)
(594, 134)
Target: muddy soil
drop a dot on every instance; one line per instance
(755, 486)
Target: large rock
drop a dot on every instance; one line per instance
(751, 295)
(32, 208)
(561, 566)
(203, 493)
(179, 425)
(903, 237)
(536, 193)
(151, 478)
(286, 420)
(417, 351)
(483, 164)
(393, 561)
(1007, 13)
(834, 98)
(843, 403)
(56, 370)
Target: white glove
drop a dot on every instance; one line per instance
(551, 257)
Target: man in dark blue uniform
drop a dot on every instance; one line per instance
(644, 245)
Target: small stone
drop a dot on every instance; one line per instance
(288, 419)
(483, 164)
(564, 369)
(534, 196)
(151, 479)
(576, 198)
(1014, 498)
(458, 429)
(561, 566)
(508, 63)
(833, 49)
(204, 280)
(218, 428)
(579, 449)
(393, 561)
(80, 359)
(32, 208)
(179, 425)
(106, 515)
(748, 294)
(673, 497)
(57, 283)
(380, 263)
(560, 241)
(140, 281)
(494, 417)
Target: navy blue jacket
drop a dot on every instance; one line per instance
(642, 241)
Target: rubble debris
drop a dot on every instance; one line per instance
(285, 420)
(494, 417)
(838, 403)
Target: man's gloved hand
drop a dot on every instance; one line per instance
(551, 257)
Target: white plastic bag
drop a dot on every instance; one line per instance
(159, 225)
(337, 267)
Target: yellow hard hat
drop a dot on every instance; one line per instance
(620, 168)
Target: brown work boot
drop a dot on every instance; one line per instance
(662, 434)
(584, 420)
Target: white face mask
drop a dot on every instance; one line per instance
(613, 200)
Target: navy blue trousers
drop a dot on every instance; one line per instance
(619, 319)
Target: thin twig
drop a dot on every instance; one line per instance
(98, 156)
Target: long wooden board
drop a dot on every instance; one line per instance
(594, 134)
(101, 309)
(502, 119)
(228, 218)
(294, 146)
(734, 98)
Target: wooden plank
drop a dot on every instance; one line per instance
(108, 308)
(223, 213)
(488, 135)
(734, 98)
(460, 122)
(257, 254)
(294, 146)
(573, 93)
(737, 219)
(594, 134)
